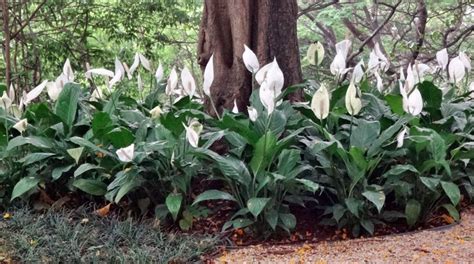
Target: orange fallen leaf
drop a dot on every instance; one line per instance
(104, 211)
(448, 219)
(7, 216)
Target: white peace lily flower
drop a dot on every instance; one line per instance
(262, 73)
(11, 93)
(159, 73)
(353, 103)
(253, 114)
(192, 133)
(379, 81)
(126, 154)
(96, 95)
(267, 97)
(101, 72)
(208, 76)
(68, 72)
(156, 112)
(338, 65)
(135, 64)
(456, 70)
(443, 58)
(320, 103)
(21, 125)
(275, 79)
(343, 47)
(402, 75)
(358, 72)
(139, 83)
(53, 90)
(235, 109)
(187, 80)
(5, 101)
(413, 103)
(172, 82)
(250, 60)
(383, 61)
(118, 73)
(127, 70)
(401, 137)
(33, 94)
(145, 62)
(419, 71)
(465, 60)
(315, 54)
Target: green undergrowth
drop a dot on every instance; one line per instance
(77, 236)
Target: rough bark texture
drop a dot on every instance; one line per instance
(6, 42)
(268, 27)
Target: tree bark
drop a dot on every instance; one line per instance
(6, 41)
(268, 27)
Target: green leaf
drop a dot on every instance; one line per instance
(395, 101)
(39, 142)
(120, 137)
(101, 124)
(90, 186)
(131, 183)
(399, 169)
(272, 218)
(24, 185)
(86, 143)
(263, 152)
(368, 225)
(309, 185)
(173, 202)
(412, 212)
(287, 161)
(354, 206)
(364, 134)
(453, 212)
(58, 171)
(431, 183)
(338, 211)
(84, 168)
(214, 195)
(35, 157)
(256, 205)
(376, 197)
(288, 220)
(66, 105)
(75, 153)
(432, 95)
(386, 135)
(452, 191)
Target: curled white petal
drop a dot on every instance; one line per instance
(21, 125)
(456, 70)
(401, 137)
(208, 76)
(126, 154)
(320, 103)
(250, 60)
(159, 73)
(33, 94)
(187, 80)
(101, 72)
(253, 114)
(144, 62)
(262, 73)
(172, 82)
(235, 109)
(67, 70)
(443, 58)
(5, 101)
(353, 103)
(465, 60)
(358, 72)
(156, 112)
(135, 64)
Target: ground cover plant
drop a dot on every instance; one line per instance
(75, 236)
(364, 151)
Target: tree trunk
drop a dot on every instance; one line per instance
(6, 42)
(268, 27)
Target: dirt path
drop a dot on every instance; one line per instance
(445, 245)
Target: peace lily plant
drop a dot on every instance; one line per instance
(363, 150)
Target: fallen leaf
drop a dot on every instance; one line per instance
(104, 211)
(7, 216)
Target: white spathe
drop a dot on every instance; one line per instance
(172, 82)
(353, 103)
(192, 132)
(456, 70)
(126, 154)
(21, 125)
(187, 80)
(250, 60)
(315, 53)
(253, 114)
(358, 72)
(5, 101)
(156, 112)
(159, 73)
(34, 93)
(443, 58)
(320, 103)
(208, 76)
(401, 137)
(235, 109)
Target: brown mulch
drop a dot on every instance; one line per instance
(445, 244)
